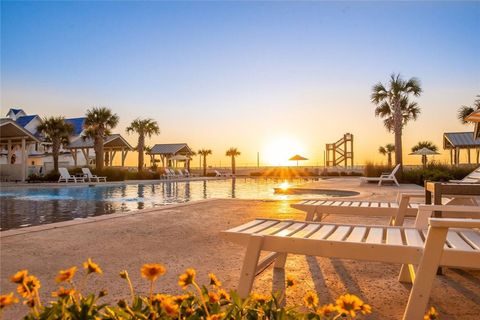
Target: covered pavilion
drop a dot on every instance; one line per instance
(113, 143)
(172, 153)
(456, 141)
(13, 136)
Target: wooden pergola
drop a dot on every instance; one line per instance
(174, 152)
(113, 143)
(11, 135)
(457, 141)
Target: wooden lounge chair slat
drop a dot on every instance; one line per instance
(275, 228)
(357, 234)
(337, 203)
(356, 204)
(393, 205)
(414, 205)
(339, 234)
(384, 205)
(346, 204)
(394, 236)
(375, 235)
(259, 227)
(328, 203)
(324, 231)
(306, 232)
(456, 241)
(473, 238)
(413, 237)
(291, 229)
(246, 225)
(365, 204)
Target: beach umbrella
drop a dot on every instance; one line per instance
(424, 152)
(297, 158)
(475, 117)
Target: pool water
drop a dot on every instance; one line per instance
(22, 207)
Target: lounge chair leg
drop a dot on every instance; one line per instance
(310, 214)
(422, 285)
(281, 260)
(249, 267)
(407, 274)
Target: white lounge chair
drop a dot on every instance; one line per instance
(361, 242)
(395, 210)
(219, 174)
(66, 177)
(188, 174)
(168, 173)
(180, 174)
(472, 177)
(92, 178)
(385, 177)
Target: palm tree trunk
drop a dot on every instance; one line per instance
(98, 146)
(55, 152)
(205, 165)
(389, 159)
(233, 164)
(140, 147)
(397, 116)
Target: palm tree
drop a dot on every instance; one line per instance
(387, 150)
(393, 105)
(424, 144)
(204, 153)
(464, 111)
(144, 127)
(232, 152)
(98, 123)
(57, 132)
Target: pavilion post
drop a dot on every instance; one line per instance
(478, 155)
(24, 160)
(451, 157)
(9, 146)
(112, 157)
(123, 157)
(468, 153)
(73, 152)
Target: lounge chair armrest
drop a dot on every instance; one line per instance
(425, 212)
(463, 209)
(454, 223)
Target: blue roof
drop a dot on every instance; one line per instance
(15, 111)
(23, 121)
(77, 125)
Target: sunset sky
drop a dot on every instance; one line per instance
(278, 78)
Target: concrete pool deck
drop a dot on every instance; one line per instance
(187, 235)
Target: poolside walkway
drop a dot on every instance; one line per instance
(182, 236)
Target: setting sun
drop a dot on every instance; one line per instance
(280, 149)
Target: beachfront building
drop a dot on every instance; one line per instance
(38, 158)
(112, 144)
(457, 141)
(15, 141)
(172, 154)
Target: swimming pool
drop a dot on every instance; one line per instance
(22, 207)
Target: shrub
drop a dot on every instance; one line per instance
(112, 174)
(198, 302)
(144, 175)
(374, 170)
(435, 172)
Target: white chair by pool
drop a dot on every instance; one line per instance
(66, 177)
(219, 174)
(385, 177)
(458, 248)
(472, 177)
(91, 177)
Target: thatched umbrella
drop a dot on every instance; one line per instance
(475, 117)
(424, 152)
(297, 158)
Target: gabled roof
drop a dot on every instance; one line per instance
(24, 120)
(15, 111)
(459, 140)
(171, 148)
(77, 123)
(115, 141)
(9, 129)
